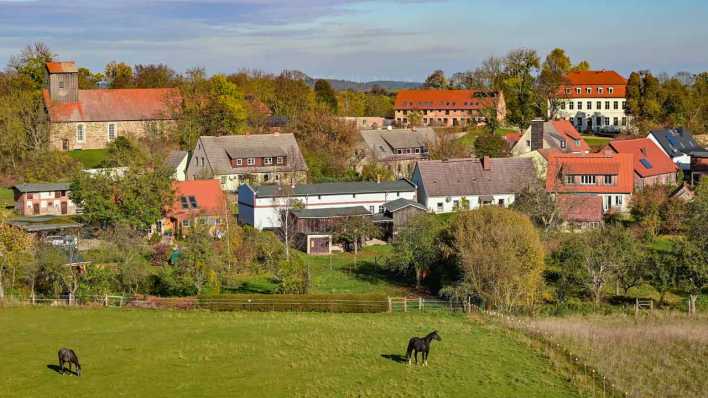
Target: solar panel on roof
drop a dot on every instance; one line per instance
(646, 163)
(672, 140)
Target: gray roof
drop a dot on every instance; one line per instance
(331, 212)
(220, 149)
(458, 177)
(42, 223)
(383, 143)
(174, 158)
(43, 187)
(676, 141)
(402, 203)
(336, 188)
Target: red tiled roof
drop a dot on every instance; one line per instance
(646, 149)
(594, 80)
(61, 67)
(441, 99)
(115, 105)
(580, 208)
(560, 165)
(208, 194)
(567, 129)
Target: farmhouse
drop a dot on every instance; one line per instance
(90, 119)
(447, 107)
(448, 185)
(254, 159)
(263, 206)
(677, 144)
(592, 101)
(607, 176)
(651, 165)
(398, 149)
(554, 134)
(195, 202)
(42, 199)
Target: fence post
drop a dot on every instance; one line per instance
(420, 304)
(405, 304)
(636, 307)
(469, 305)
(106, 298)
(121, 301)
(390, 305)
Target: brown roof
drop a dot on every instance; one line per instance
(220, 150)
(444, 99)
(383, 143)
(100, 105)
(597, 164)
(468, 176)
(580, 208)
(62, 67)
(593, 79)
(649, 159)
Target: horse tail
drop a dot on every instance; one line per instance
(409, 350)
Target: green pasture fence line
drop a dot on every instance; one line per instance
(413, 304)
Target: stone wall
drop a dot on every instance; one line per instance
(95, 133)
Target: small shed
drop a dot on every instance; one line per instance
(313, 228)
(399, 212)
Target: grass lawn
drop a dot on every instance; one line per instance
(6, 197)
(595, 142)
(148, 353)
(469, 138)
(89, 158)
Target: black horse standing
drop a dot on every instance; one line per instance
(69, 356)
(421, 344)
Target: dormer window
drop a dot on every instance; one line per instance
(588, 180)
(267, 161)
(610, 90)
(578, 90)
(567, 91)
(562, 144)
(588, 90)
(609, 180)
(239, 162)
(251, 161)
(279, 160)
(600, 90)
(417, 150)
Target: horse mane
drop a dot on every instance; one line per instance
(429, 335)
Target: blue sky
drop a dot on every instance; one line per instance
(359, 39)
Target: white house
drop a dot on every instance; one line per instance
(447, 185)
(262, 206)
(676, 144)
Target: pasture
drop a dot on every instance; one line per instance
(239, 354)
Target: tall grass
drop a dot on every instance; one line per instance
(659, 355)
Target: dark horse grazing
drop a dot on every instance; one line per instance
(421, 344)
(69, 356)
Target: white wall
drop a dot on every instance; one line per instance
(448, 202)
(593, 112)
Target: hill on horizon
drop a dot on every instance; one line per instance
(342, 84)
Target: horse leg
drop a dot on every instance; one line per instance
(425, 358)
(416, 357)
(61, 366)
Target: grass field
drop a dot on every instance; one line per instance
(89, 158)
(6, 197)
(664, 355)
(595, 142)
(138, 353)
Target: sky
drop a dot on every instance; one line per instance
(359, 40)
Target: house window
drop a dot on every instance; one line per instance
(111, 131)
(607, 104)
(610, 90)
(399, 151)
(501, 202)
(528, 143)
(185, 223)
(440, 206)
(580, 105)
(577, 142)
(570, 105)
(599, 120)
(587, 179)
(562, 143)
(579, 122)
(267, 161)
(61, 84)
(608, 180)
(371, 209)
(417, 150)
(578, 90)
(615, 105)
(623, 105)
(80, 136)
(239, 162)
(598, 105)
(567, 91)
(569, 179)
(589, 104)
(279, 160)
(354, 195)
(600, 90)
(562, 105)
(615, 121)
(381, 209)
(30, 196)
(588, 90)
(607, 121)
(618, 200)
(624, 121)
(266, 177)
(251, 161)
(223, 180)
(455, 204)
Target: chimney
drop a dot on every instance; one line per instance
(486, 163)
(63, 79)
(537, 134)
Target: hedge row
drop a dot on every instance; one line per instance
(344, 303)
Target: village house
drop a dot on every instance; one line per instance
(447, 108)
(445, 186)
(592, 101)
(396, 215)
(313, 229)
(398, 149)
(553, 134)
(256, 159)
(264, 206)
(651, 165)
(90, 119)
(367, 122)
(43, 199)
(195, 202)
(177, 161)
(607, 176)
(677, 144)
(579, 212)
